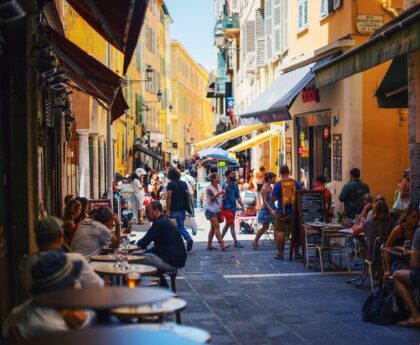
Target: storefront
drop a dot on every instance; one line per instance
(313, 147)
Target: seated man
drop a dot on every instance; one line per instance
(52, 272)
(168, 252)
(49, 236)
(92, 235)
(405, 280)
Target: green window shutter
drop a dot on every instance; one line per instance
(139, 109)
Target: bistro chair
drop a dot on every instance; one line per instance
(373, 265)
(332, 242)
(312, 238)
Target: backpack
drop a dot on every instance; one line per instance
(384, 306)
(288, 188)
(246, 228)
(360, 190)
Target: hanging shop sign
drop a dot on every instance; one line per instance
(367, 24)
(289, 153)
(326, 132)
(310, 94)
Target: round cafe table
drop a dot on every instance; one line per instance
(110, 270)
(196, 334)
(111, 258)
(130, 248)
(110, 336)
(102, 298)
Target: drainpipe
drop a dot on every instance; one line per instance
(387, 7)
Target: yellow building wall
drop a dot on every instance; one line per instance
(385, 139)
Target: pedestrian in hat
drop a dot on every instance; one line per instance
(137, 180)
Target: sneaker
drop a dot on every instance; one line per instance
(279, 257)
(298, 256)
(189, 245)
(238, 245)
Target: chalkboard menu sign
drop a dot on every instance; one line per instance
(311, 206)
(415, 175)
(338, 157)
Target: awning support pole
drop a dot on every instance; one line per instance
(109, 163)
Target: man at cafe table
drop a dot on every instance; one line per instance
(168, 252)
(407, 279)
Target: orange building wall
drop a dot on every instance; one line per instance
(385, 139)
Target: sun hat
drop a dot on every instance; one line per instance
(48, 229)
(53, 271)
(140, 171)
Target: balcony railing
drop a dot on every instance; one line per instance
(231, 22)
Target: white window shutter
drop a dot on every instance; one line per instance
(305, 13)
(250, 36)
(324, 8)
(277, 27)
(260, 36)
(300, 14)
(269, 28)
(284, 40)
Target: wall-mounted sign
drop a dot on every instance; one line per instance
(310, 94)
(337, 157)
(366, 24)
(289, 153)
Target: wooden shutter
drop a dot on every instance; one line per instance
(269, 28)
(277, 27)
(324, 8)
(260, 36)
(284, 22)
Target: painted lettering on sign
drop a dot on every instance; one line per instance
(367, 24)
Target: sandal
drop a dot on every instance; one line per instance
(226, 246)
(211, 248)
(409, 323)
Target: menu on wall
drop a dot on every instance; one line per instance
(415, 175)
(311, 206)
(337, 157)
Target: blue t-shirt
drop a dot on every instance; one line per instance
(232, 193)
(277, 192)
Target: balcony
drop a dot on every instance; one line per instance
(231, 26)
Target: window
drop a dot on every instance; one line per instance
(302, 14)
(260, 36)
(327, 7)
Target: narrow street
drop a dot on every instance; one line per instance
(244, 296)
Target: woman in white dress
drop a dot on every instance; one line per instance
(139, 192)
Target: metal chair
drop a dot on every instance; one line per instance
(312, 238)
(330, 245)
(372, 265)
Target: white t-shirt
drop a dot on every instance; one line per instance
(87, 277)
(90, 237)
(213, 206)
(31, 320)
(189, 180)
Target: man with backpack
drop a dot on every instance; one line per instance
(284, 194)
(352, 195)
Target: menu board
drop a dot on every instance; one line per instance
(338, 157)
(415, 175)
(95, 204)
(311, 206)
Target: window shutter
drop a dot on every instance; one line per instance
(284, 40)
(324, 8)
(302, 14)
(260, 36)
(277, 27)
(269, 29)
(305, 13)
(250, 35)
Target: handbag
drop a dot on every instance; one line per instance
(190, 223)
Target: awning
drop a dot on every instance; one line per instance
(233, 133)
(397, 38)
(88, 74)
(148, 152)
(257, 140)
(118, 22)
(393, 91)
(274, 103)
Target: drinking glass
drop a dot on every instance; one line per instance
(118, 259)
(133, 279)
(316, 221)
(334, 221)
(124, 259)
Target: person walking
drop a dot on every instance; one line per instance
(352, 196)
(320, 186)
(231, 196)
(267, 213)
(214, 198)
(137, 180)
(284, 194)
(176, 203)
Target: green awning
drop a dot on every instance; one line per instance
(393, 91)
(398, 37)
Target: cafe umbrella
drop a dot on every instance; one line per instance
(218, 155)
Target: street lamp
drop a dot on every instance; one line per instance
(159, 95)
(219, 37)
(149, 75)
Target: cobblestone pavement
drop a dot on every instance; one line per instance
(244, 296)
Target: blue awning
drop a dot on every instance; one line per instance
(274, 103)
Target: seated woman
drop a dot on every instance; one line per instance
(250, 201)
(404, 231)
(380, 225)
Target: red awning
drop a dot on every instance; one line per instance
(91, 76)
(119, 22)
